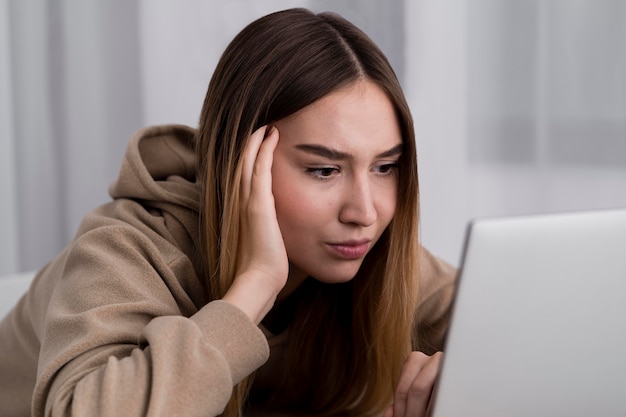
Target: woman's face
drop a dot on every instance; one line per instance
(335, 180)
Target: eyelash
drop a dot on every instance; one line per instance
(318, 172)
(391, 169)
(384, 170)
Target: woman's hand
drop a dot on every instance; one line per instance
(417, 379)
(262, 263)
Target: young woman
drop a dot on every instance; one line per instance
(266, 262)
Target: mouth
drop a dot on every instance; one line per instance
(352, 249)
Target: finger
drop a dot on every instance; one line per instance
(389, 411)
(421, 388)
(249, 158)
(415, 384)
(262, 170)
(411, 367)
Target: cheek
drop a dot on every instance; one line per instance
(387, 203)
(390, 209)
(297, 205)
(300, 221)
(387, 213)
(299, 200)
(294, 202)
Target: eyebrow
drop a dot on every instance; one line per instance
(337, 155)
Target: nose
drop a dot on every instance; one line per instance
(358, 206)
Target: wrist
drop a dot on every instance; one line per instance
(252, 296)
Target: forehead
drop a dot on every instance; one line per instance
(359, 115)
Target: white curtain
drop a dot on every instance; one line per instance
(8, 206)
(520, 108)
(520, 105)
(73, 99)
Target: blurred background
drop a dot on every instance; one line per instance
(519, 105)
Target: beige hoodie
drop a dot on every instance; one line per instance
(120, 324)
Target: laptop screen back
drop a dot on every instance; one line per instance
(539, 319)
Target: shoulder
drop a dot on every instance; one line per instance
(434, 273)
(437, 283)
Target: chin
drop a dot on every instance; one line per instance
(336, 278)
(328, 272)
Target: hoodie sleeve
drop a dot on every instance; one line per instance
(115, 342)
(437, 284)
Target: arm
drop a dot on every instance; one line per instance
(262, 258)
(115, 341)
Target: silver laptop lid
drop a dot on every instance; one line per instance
(539, 319)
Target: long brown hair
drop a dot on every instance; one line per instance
(274, 67)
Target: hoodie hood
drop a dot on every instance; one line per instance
(160, 166)
(159, 173)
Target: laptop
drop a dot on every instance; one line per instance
(538, 324)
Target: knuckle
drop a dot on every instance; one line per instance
(254, 209)
(260, 167)
(417, 355)
(415, 358)
(401, 395)
(419, 388)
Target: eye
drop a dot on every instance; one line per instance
(322, 172)
(386, 169)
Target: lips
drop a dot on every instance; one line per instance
(350, 249)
